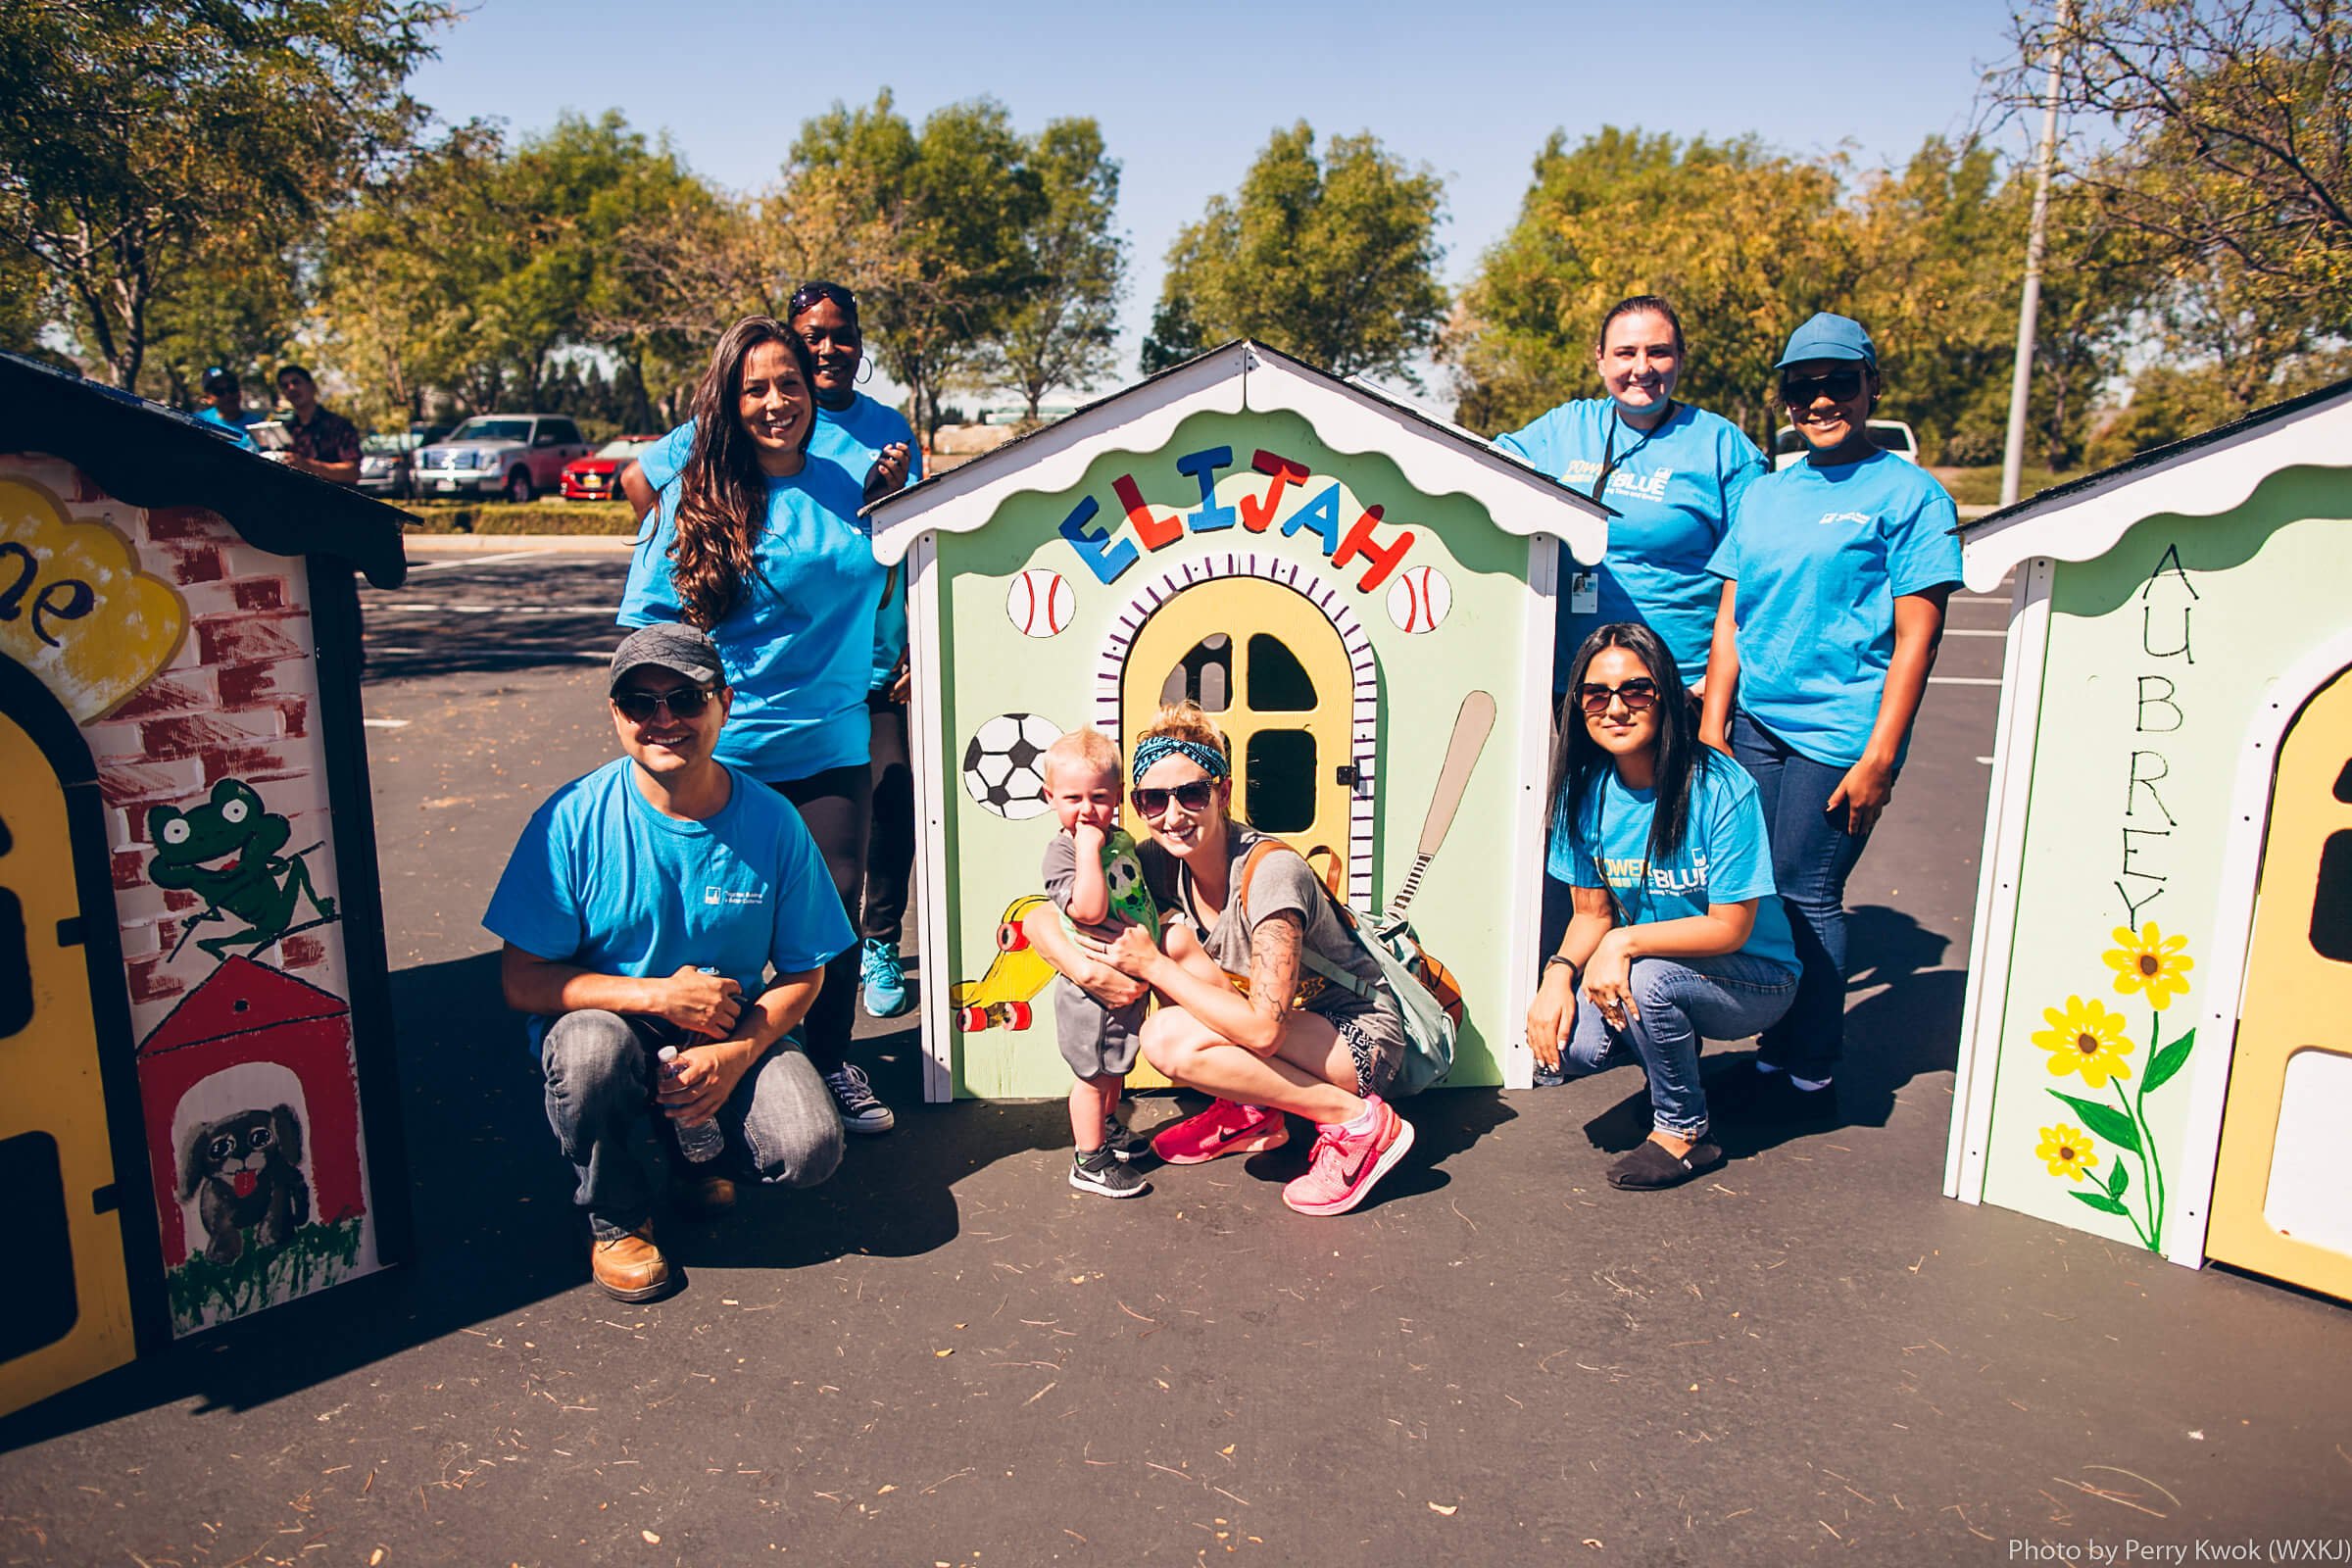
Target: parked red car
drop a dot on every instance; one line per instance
(597, 477)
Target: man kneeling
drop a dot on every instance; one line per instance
(644, 907)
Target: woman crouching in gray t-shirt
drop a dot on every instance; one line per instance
(1241, 1015)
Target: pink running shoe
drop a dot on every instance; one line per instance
(1224, 1128)
(1346, 1164)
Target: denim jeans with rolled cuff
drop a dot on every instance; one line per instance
(1682, 1001)
(599, 1067)
(1812, 855)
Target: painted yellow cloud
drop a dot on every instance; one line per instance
(74, 607)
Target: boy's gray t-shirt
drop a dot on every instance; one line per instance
(1284, 881)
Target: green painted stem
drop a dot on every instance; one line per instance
(2147, 1168)
(2147, 1134)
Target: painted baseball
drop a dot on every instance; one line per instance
(1040, 601)
(1419, 599)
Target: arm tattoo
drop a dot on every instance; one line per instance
(1274, 963)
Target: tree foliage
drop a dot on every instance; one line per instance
(1331, 258)
(1058, 330)
(145, 141)
(477, 269)
(2219, 133)
(951, 203)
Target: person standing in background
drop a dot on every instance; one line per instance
(327, 445)
(225, 406)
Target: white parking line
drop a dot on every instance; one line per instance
(1964, 680)
(471, 561)
(385, 723)
(1976, 631)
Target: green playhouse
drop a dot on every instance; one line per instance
(2156, 1045)
(1355, 589)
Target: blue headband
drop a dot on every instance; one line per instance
(1153, 747)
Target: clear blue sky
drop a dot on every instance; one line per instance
(1187, 96)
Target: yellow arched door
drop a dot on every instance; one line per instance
(1275, 676)
(68, 1313)
(2282, 1191)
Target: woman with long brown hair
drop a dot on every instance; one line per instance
(763, 549)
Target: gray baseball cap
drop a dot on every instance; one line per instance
(668, 644)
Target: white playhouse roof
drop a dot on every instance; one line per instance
(2200, 478)
(1436, 457)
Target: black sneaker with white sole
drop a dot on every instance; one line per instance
(1099, 1170)
(1123, 1142)
(854, 1097)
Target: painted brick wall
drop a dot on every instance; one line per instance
(237, 699)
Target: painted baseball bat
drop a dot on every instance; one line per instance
(1471, 726)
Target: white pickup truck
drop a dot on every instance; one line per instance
(518, 454)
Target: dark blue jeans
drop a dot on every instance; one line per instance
(1683, 1002)
(1812, 854)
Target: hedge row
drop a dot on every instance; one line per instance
(536, 518)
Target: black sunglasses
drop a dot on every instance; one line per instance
(1639, 694)
(683, 702)
(1192, 797)
(1800, 392)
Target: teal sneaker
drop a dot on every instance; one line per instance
(882, 982)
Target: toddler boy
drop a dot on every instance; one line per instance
(1091, 873)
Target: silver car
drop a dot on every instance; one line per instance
(515, 455)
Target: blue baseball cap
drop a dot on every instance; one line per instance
(1829, 337)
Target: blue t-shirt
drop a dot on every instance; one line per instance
(1724, 857)
(1673, 490)
(853, 438)
(233, 429)
(1820, 555)
(603, 880)
(798, 645)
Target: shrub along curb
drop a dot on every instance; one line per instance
(535, 517)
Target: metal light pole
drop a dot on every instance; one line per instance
(2029, 307)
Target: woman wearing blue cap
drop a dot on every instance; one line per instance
(1834, 576)
(1673, 474)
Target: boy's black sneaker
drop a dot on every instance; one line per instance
(1101, 1171)
(1123, 1142)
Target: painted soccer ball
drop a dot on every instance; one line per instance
(1005, 764)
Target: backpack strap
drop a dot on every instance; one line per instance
(1309, 957)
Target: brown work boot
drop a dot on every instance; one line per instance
(629, 1267)
(701, 1195)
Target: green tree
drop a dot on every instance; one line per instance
(950, 204)
(1332, 259)
(2214, 139)
(140, 142)
(1058, 330)
(1744, 242)
(481, 271)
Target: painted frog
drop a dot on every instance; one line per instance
(228, 853)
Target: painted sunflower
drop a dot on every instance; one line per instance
(2147, 960)
(2066, 1150)
(2087, 1039)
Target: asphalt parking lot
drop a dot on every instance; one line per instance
(945, 1356)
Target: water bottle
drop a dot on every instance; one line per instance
(699, 1144)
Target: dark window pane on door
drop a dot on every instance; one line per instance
(1279, 773)
(41, 1308)
(1205, 675)
(1278, 684)
(2331, 907)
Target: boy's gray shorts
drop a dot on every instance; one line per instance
(1094, 1040)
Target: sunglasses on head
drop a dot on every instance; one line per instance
(640, 707)
(1800, 392)
(1192, 797)
(1639, 694)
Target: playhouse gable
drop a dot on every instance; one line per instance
(239, 998)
